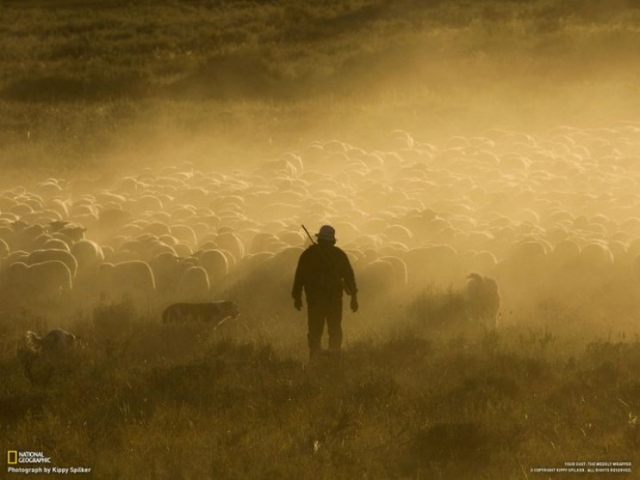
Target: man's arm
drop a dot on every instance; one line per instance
(348, 276)
(298, 283)
(350, 282)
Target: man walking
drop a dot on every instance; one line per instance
(324, 272)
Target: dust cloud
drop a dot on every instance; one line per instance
(498, 142)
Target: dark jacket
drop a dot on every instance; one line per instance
(323, 271)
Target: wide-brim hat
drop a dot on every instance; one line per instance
(327, 232)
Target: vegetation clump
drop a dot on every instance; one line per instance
(461, 403)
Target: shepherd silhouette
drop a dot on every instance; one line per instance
(323, 272)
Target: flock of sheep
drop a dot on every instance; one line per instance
(553, 218)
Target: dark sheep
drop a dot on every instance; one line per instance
(43, 357)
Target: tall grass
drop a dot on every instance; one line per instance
(86, 83)
(412, 404)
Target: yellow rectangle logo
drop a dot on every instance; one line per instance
(12, 457)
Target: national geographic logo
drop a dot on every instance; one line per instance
(15, 457)
(28, 462)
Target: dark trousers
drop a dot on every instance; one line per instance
(319, 312)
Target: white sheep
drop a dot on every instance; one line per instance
(4, 249)
(231, 242)
(56, 244)
(133, 279)
(41, 281)
(215, 263)
(166, 269)
(194, 284)
(39, 256)
(185, 234)
(87, 253)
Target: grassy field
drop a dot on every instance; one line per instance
(88, 83)
(408, 401)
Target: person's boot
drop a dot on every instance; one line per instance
(315, 354)
(335, 353)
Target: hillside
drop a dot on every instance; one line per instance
(87, 82)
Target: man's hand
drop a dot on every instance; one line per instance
(354, 303)
(297, 303)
